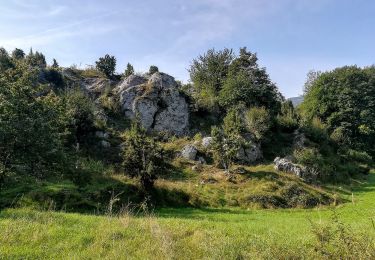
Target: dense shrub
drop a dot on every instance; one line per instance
(142, 156)
(258, 121)
(153, 69)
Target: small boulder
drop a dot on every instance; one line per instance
(189, 152)
(207, 141)
(285, 165)
(201, 160)
(105, 144)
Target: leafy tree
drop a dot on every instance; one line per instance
(249, 84)
(258, 121)
(107, 65)
(129, 70)
(312, 75)
(5, 61)
(288, 118)
(79, 111)
(344, 99)
(29, 125)
(222, 80)
(18, 54)
(153, 69)
(208, 73)
(55, 65)
(142, 156)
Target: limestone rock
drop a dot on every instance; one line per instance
(189, 152)
(157, 101)
(249, 154)
(207, 141)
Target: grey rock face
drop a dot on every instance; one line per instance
(157, 102)
(285, 165)
(249, 154)
(189, 152)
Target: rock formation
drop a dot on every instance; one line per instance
(156, 101)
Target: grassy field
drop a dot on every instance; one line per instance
(210, 233)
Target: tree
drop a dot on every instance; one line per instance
(107, 65)
(129, 70)
(36, 59)
(142, 156)
(208, 73)
(312, 75)
(30, 140)
(249, 84)
(18, 54)
(344, 99)
(5, 61)
(55, 65)
(153, 69)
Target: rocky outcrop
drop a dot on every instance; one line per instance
(249, 154)
(286, 165)
(157, 102)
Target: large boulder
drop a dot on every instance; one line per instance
(189, 152)
(157, 101)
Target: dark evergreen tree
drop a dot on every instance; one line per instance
(129, 70)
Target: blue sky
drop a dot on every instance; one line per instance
(291, 37)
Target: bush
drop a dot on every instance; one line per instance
(258, 121)
(315, 130)
(153, 69)
(142, 156)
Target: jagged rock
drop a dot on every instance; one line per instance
(207, 141)
(189, 152)
(285, 165)
(249, 154)
(157, 101)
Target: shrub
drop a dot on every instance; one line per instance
(258, 121)
(129, 70)
(153, 69)
(142, 156)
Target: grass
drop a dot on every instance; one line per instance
(186, 233)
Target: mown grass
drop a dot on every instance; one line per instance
(206, 233)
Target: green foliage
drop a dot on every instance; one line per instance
(153, 69)
(249, 84)
(142, 156)
(53, 75)
(287, 120)
(344, 100)
(208, 73)
(233, 122)
(36, 59)
(29, 126)
(258, 121)
(225, 147)
(79, 115)
(5, 61)
(107, 65)
(129, 70)
(18, 54)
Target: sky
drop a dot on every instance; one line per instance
(290, 37)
